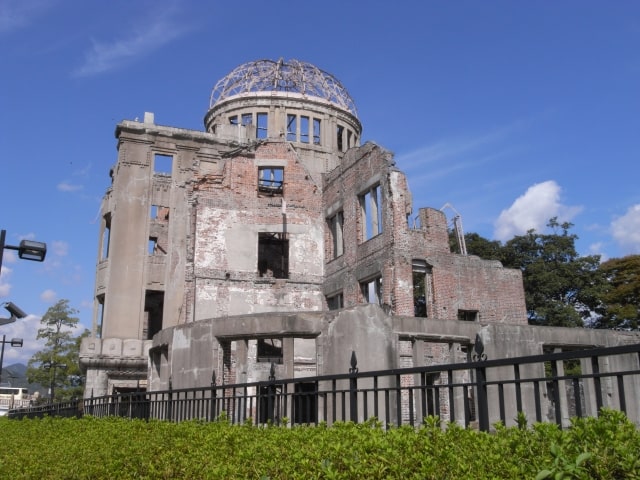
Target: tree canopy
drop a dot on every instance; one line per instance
(620, 307)
(561, 287)
(56, 365)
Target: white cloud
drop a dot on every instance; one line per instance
(107, 56)
(16, 14)
(60, 248)
(5, 286)
(626, 230)
(69, 187)
(533, 210)
(48, 296)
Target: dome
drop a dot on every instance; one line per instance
(292, 76)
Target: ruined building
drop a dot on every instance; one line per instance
(277, 236)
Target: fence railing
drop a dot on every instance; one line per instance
(547, 388)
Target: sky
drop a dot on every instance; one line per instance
(509, 112)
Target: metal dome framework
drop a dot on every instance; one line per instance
(292, 76)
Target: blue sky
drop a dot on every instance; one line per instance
(512, 112)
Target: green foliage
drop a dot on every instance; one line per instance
(57, 364)
(600, 448)
(621, 297)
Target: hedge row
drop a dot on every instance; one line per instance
(607, 447)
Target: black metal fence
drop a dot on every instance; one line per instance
(546, 388)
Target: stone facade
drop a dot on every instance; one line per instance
(266, 238)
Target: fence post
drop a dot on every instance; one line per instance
(271, 393)
(214, 394)
(481, 385)
(170, 402)
(353, 388)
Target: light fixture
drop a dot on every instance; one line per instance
(15, 311)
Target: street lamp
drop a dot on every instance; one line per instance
(15, 342)
(27, 250)
(52, 378)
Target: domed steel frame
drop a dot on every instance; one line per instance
(292, 76)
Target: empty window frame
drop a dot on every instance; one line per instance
(316, 131)
(106, 236)
(233, 120)
(336, 224)
(273, 255)
(304, 129)
(162, 163)
(335, 302)
(371, 290)
(371, 213)
(247, 119)
(292, 128)
(153, 312)
(271, 180)
(269, 350)
(99, 315)
(468, 315)
(159, 213)
(262, 124)
(339, 138)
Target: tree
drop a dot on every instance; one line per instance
(561, 287)
(621, 297)
(57, 364)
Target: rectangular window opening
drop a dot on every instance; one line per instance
(263, 122)
(468, 315)
(292, 128)
(336, 224)
(339, 138)
(371, 290)
(371, 213)
(153, 311)
(162, 164)
(316, 131)
(304, 129)
(100, 316)
(247, 119)
(270, 350)
(159, 213)
(419, 270)
(233, 120)
(271, 180)
(335, 302)
(273, 255)
(106, 237)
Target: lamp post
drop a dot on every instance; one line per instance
(27, 250)
(52, 378)
(15, 342)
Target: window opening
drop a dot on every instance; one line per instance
(233, 120)
(419, 269)
(270, 350)
(106, 237)
(316, 131)
(247, 119)
(271, 180)
(100, 316)
(153, 311)
(159, 213)
(304, 129)
(263, 123)
(273, 255)
(371, 209)
(339, 134)
(468, 315)
(162, 163)
(291, 128)
(372, 290)
(349, 139)
(335, 302)
(336, 224)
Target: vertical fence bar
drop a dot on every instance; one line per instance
(595, 368)
(353, 388)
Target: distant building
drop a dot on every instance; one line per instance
(263, 238)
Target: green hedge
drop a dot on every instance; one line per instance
(607, 447)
